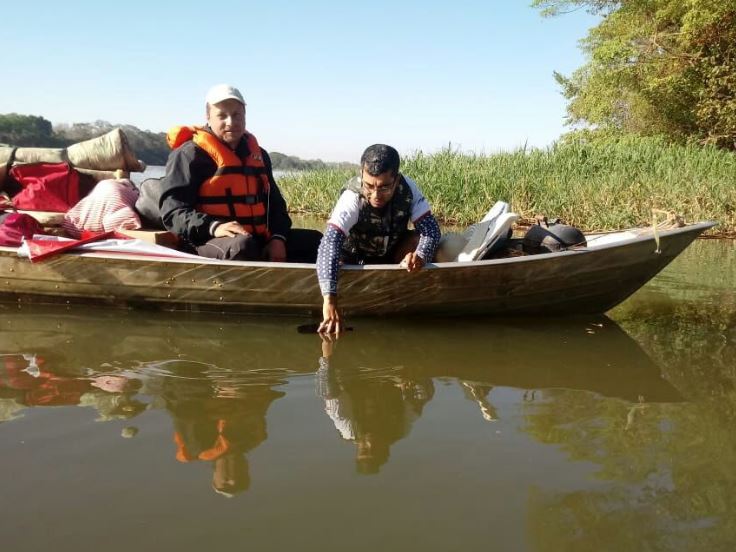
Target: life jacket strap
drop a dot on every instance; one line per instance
(231, 199)
(247, 171)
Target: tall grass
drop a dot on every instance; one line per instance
(596, 186)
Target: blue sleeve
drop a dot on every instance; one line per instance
(429, 236)
(328, 260)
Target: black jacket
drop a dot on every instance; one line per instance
(187, 168)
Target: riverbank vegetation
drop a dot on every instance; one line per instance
(600, 185)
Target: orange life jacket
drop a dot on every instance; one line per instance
(218, 448)
(239, 188)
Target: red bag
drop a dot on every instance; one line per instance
(46, 187)
(16, 226)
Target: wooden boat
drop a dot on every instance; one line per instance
(586, 280)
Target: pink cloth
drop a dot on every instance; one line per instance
(110, 206)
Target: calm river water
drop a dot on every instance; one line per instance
(138, 431)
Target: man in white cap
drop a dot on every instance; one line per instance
(219, 194)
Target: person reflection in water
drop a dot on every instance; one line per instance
(219, 423)
(218, 441)
(372, 410)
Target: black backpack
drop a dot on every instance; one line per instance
(550, 236)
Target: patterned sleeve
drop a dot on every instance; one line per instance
(429, 236)
(328, 259)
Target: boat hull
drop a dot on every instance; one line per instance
(585, 281)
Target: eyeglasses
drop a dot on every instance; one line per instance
(383, 189)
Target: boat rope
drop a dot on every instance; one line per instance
(672, 220)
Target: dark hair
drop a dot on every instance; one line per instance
(380, 158)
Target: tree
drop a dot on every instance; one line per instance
(25, 130)
(655, 67)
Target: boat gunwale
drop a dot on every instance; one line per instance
(104, 255)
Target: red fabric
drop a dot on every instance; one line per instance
(16, 226)
(39, 250)
(46, 187)
(44, 389)
(43, 249)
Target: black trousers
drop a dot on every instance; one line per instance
(301, 247)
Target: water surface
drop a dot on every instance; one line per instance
(136, 430)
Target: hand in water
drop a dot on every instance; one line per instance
(331, 321)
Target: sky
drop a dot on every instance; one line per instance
(322, 79)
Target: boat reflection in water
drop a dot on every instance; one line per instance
(217, 378)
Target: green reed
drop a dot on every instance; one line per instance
(595, 186)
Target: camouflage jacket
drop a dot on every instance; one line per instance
(377, 231)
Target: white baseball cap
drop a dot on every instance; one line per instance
(221, 92)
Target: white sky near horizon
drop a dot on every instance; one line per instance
(321, 79)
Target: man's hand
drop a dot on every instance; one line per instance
(331, 322)
(275, 251)
(328, 344)
(229, 229)
(412, 262)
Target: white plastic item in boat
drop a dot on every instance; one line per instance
(493, 228)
